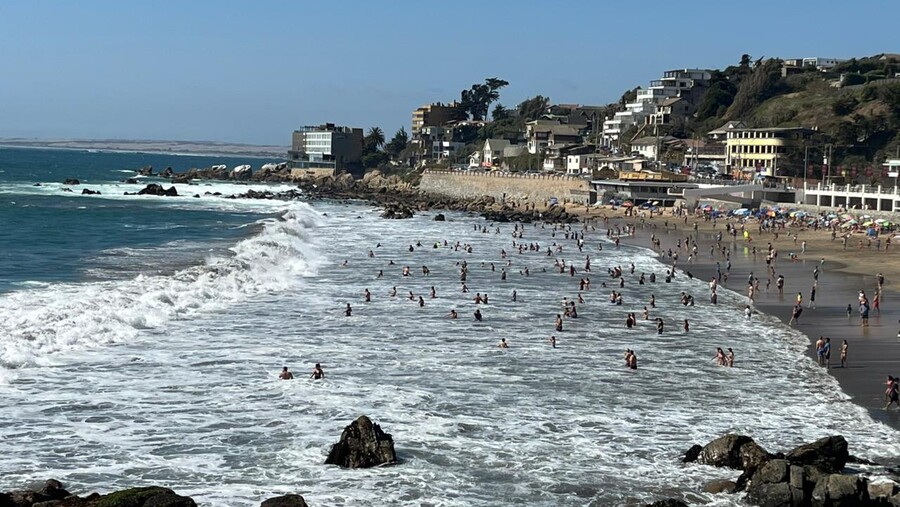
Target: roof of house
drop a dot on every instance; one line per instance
(734, 124)
(670, 101)
(652, 140)
(496, 144)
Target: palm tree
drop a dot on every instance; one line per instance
(376, 137)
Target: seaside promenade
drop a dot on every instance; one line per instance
(874, 351)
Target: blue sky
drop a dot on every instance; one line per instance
(253, 71)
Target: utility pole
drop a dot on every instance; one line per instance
(805, 163)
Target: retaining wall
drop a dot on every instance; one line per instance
(516, 186)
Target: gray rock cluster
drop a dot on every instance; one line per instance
(810, 475)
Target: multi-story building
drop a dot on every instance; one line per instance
(686, 84)
(822, 64)
(760, 151)
(433, 115)
(326, 148)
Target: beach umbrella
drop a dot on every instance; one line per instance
(655, 203)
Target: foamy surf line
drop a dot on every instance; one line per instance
(37, 324)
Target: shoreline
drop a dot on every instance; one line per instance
(873, 351)
(236, 154)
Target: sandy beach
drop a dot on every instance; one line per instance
(873, 350)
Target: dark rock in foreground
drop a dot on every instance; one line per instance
(397, 211)
(285, 501)
(440, 218)
(733, 451)
(363, 444)
(88, 191)
(828, 454)
(51, 493)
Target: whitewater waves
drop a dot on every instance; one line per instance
(37, 324)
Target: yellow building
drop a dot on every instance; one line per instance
(763, 151)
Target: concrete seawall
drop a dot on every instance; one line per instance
(533, 187)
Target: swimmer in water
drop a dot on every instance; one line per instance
(453, 314)
(553, 341)
(348, 311)
(285, 374)
(317, 372)
(503, 344)
(478, 316)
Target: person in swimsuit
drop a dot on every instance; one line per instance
(892, 393)
(285, 374)
(503, 344)
(729, 358)
(478, 316)
(553, 341)
(720, 356)
(453, 314)
(845, 347)
(317, 372)
(348, 311)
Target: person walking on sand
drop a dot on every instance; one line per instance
(844, 348)
(820, 351)
(826, 352)
(795, 314)
(812, 297)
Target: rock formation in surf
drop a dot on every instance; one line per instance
(363, 444)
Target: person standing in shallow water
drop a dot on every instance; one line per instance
(318, 373)
(845, 348)
(285, 374)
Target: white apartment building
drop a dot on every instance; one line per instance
(687, 84)
(822, 64)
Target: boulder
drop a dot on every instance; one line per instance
(71, 181)
(838, 490)
(88, 191)
(66, 189)
(734, 451)
(130, 181)
(167, 173)
(181, 178)
(242, 173)
(148, 170)
(397, 211)
(720, 486)
(285, 501)
(828, 454)
(156, 189)
(440, 217)
(362, 444)
(692, 454)
(883, 490)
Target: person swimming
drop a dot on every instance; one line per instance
(503, 344)
(285, 374)
(317, 372)
(478, 315)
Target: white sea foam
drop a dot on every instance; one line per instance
(195, 403)
(36, 324)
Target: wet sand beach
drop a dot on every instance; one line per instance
(874, 351)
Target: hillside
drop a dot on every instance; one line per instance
(855, 105)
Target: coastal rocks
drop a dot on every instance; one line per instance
(362, 444)
(167, 173)
(130, 181)
(397, 211)
(241, 173)
(88, 191)
(733, 451)
(287, 195)
(440, 218)
(285, 501)
(46, 491)
(148, 170)
(837, 490)
(71, 181)
(692, 454)
(828, 454)
(156, 189)
(182, 179)
(720, 486)
(777, 483)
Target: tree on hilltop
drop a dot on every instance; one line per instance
(398, 143)
(374, 140)
(477, 100)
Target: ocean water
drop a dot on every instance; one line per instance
(141, 339)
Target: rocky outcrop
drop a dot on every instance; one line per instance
(51, 493)
(241, 173)
(807, 476)
(71, 181)
(397, 211)
(148, 170)
(362, 445)
(167, 173)
(156, 189)
(733, 451)
(88, 191)
(440, 218)
(285, 501)
(287, 195)
(838, 490)
(828, 454)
